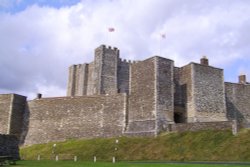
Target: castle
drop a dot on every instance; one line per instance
(113, 97)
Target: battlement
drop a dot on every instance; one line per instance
(78, 65)
(125, 61)
(135, 61)
(129, 61)
(105, 48)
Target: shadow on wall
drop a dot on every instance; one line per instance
(233, 113)
(25, 126)
(9, 146)
(180, 110)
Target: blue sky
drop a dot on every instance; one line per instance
(41, 39)
(15, 6)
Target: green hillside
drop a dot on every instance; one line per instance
(188, 146)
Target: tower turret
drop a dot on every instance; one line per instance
(242, 79)
(106, 63)
(204, 61)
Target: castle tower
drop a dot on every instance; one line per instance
(77, 82)
(105, 69)
(151, 96)
(97, 77)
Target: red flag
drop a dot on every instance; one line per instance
(111, 29)
(163, 36)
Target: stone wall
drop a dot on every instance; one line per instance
(237, 102)
(5, 103)
(209, 94)
(77, 81)
(71, 81)
(142, 102)
(103, 76)
(178, 97)
(184, 107)
(12, 108)
(109, 70)
(17, 115)
(123, 76)
(91, 80)
(97, 72)
(9, 146)
(196, 126)
(81, 79)
(55, 119)
(164, 92)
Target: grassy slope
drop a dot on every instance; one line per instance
(191, 146)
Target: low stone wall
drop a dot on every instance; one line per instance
(9, 146)
(141, 126)
(58, 119)
(201, 126)
(140, 134)
(196, 126)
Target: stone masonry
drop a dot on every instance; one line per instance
(111, 97)
(56, 119)
(12, 109)
(237, 102)
(9, 146)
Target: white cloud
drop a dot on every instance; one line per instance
(39, 43)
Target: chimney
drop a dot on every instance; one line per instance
(242, 79)
(204, 61)
(39, 96)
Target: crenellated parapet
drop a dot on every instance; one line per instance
(128, 61)
(104, 49)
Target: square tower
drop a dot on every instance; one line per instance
(105, 69)
(97, 77)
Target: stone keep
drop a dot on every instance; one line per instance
(159, 93)
(100, 76)
(111, 97)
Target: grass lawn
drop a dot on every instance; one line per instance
(106, 164)
(206, 145)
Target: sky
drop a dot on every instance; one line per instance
(40, 39)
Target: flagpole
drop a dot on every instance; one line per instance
(110, 30)
(160, 46)
(163, 36)
(107, 39)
